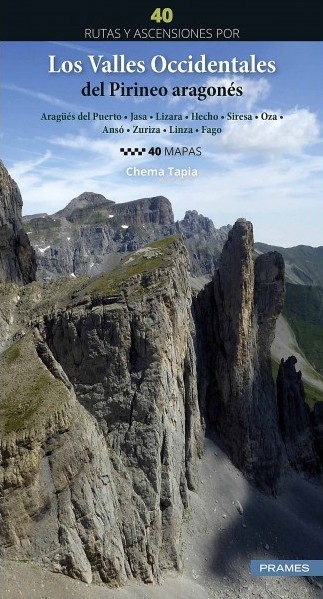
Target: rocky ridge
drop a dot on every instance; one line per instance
(203, 241)
(17, 258)
(91, 234)
(118, 354)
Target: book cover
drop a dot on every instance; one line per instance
(161, 269)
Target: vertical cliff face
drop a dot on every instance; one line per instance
(132, 366)
(149, 211)
(99, 475)
(92, 233)
(294, 417)
(17, 258)
(236, 316)
(58, 500)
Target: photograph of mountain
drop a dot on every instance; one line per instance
(161, 319)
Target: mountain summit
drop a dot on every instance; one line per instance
(86, 201)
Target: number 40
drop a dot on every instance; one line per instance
(164, 15)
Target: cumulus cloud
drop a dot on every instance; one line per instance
(263, 174)
(298, 129)
(254, 90)
(277, 195)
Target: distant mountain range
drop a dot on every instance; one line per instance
(303, 307)
(303, 263)
(91, 234)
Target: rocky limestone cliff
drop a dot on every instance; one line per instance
(17, 258)
(294, 417)
(101, 435)
(203, 241)
(235, 316)
(58, 501)
(91, 234)
(147, 211)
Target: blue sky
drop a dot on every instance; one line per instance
(268, 172)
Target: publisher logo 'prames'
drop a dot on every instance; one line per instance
(286, 568)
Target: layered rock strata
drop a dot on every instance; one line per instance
(100, 437)
(91, 234)
(17, 258)
(236, 316)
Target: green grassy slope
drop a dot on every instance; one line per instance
(304, 311)
(30, 394)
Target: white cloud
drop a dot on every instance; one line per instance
(298, 129)
(254, 90)
(276, 190)
(280, 196)
(21, 168)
